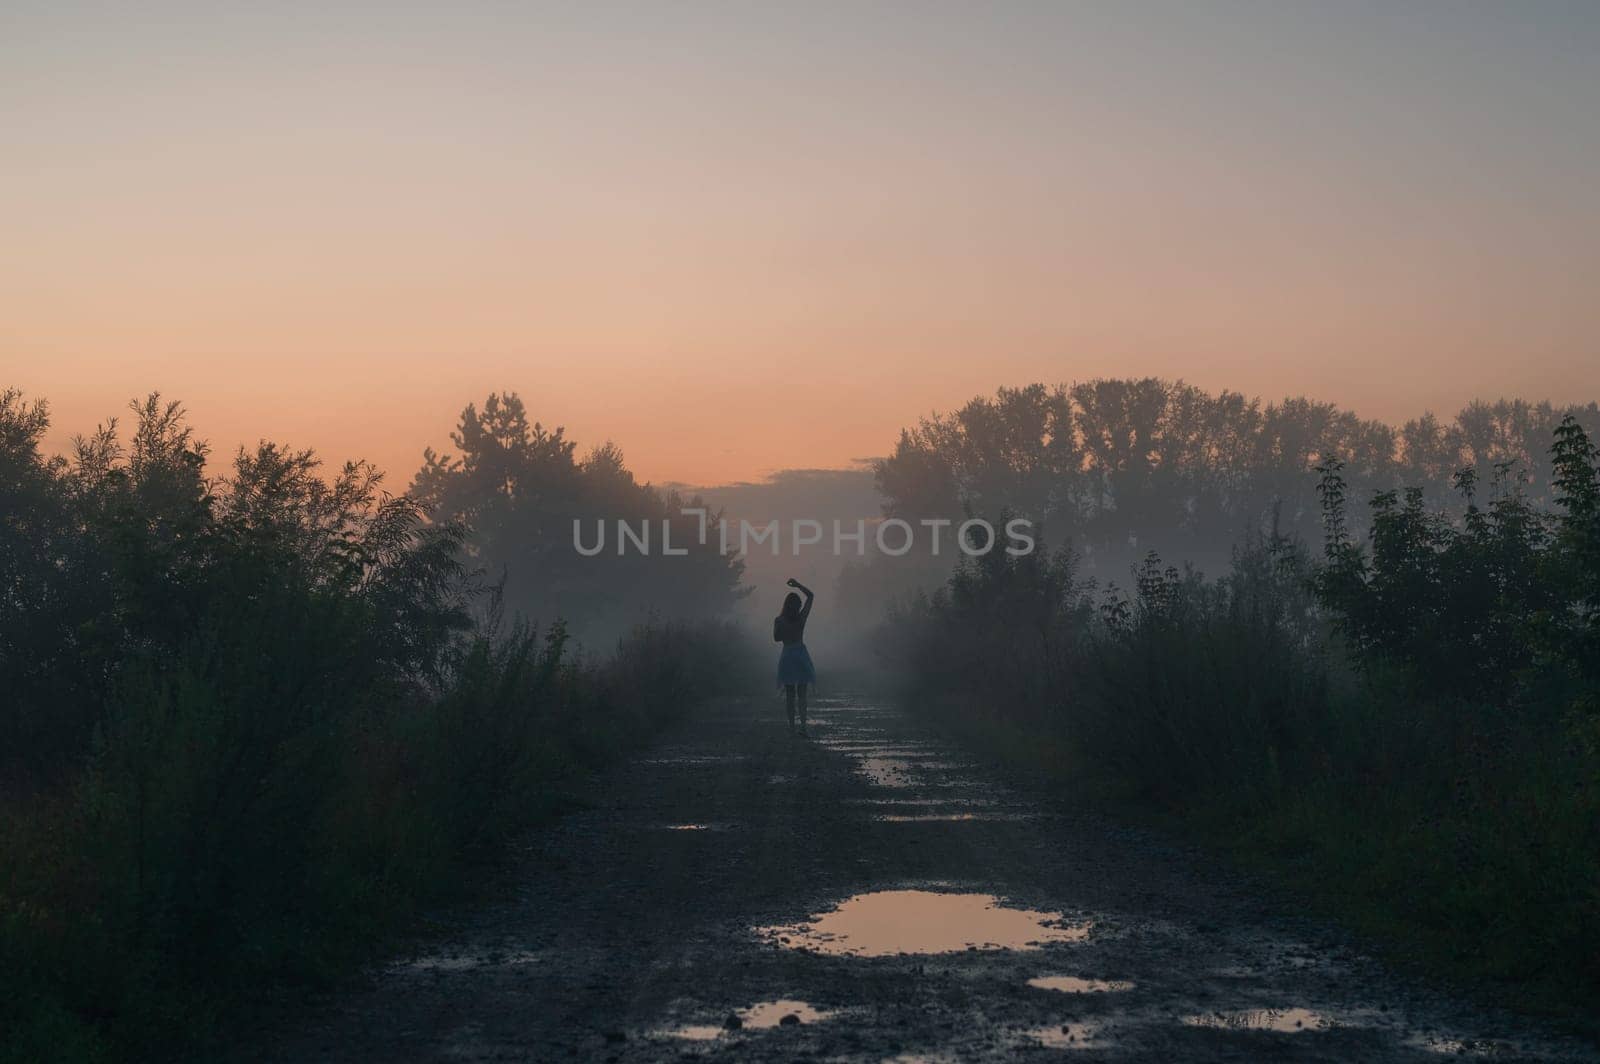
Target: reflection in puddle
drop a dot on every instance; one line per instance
(899, 772)
(887, 773)
(460, 962)
(1287, 1020)
(783, 1012)
(774, 1013)
(695, 827)
(888, 922)
(1457, 1047)
(691, 759)
(1071, 984)
(891, 803)
(926, 818)
(1236, 971)
(904, 753)
(1069, 1036)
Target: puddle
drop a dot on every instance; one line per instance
(1286, 1020)
(1304, 962)
(765, 1014)
(910, 753)
(900, 772)
(929, 818)
(1460, 1047)
(889, 922)
(891, 803)
(886, 772)
(1072, 984)
(695, 827)
(460, 962)
(761, 1016)
(1069, 1036)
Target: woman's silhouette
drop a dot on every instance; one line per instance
(795, 671)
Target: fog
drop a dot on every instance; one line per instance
(240, 682)
(1110, 469)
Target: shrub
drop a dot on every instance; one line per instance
(254, 726)
(1412, 721)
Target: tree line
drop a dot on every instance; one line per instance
(1120, 466)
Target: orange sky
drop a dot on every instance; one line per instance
(737, 240)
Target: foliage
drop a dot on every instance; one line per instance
(252, 725)
(520, 488)
(1452, 602)
(1409, 723)
(1115, 468)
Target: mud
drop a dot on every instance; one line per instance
(868, 894)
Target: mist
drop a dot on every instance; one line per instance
(799, 532)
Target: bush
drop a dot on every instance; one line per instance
(1408, 728)
(255, 726)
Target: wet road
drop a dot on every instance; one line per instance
(868, 894)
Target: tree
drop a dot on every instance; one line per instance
(518, 489)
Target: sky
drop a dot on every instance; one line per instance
(736, 238)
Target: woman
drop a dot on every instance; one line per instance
(795, 670)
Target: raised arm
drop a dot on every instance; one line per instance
(806, 591)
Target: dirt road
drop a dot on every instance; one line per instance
(898, 903)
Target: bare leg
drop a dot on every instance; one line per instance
(788, 699)
(802, 689)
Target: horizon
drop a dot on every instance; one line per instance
(59, 439)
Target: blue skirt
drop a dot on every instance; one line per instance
(794, 665)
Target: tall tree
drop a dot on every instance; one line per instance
(519, 490)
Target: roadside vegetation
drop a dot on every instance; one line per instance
(1403, 725)
(252, 724)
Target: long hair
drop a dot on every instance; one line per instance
(791, 606)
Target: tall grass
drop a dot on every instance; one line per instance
(206, 851)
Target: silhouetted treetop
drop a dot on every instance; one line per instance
(1115, 464)
(518, 488)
